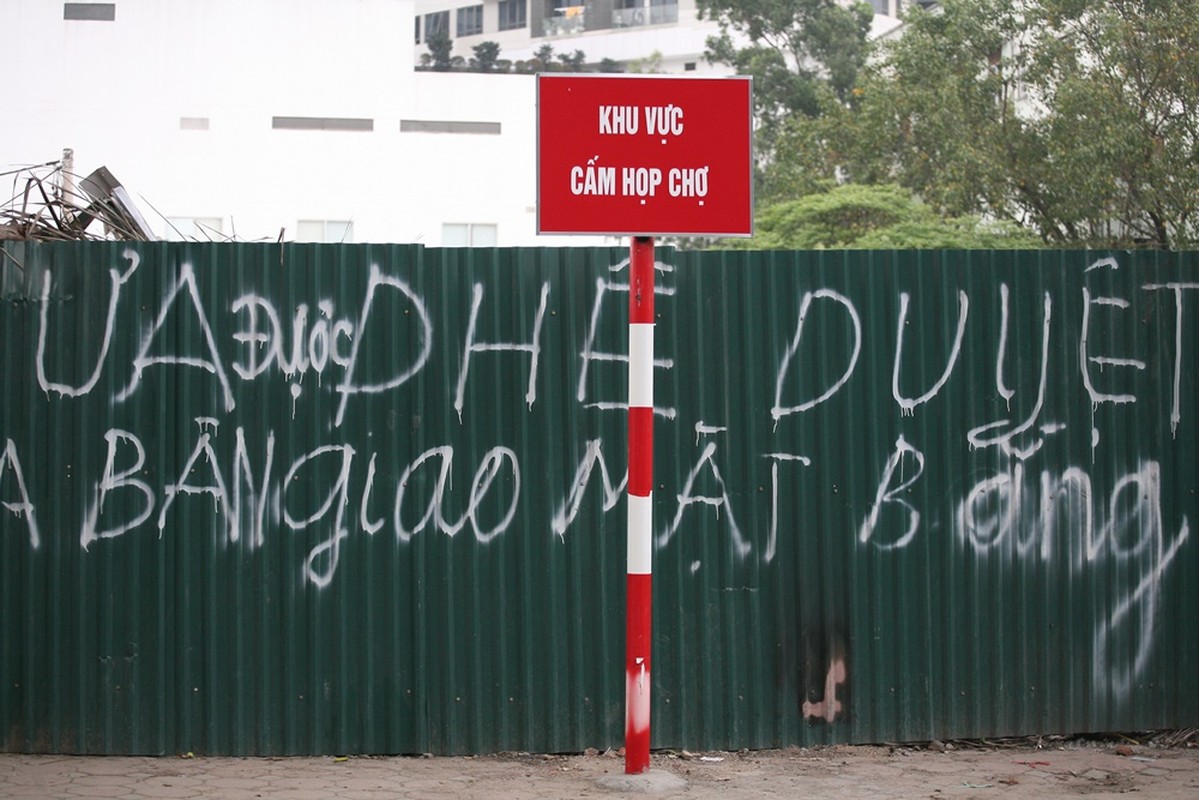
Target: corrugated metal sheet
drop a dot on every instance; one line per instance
(266, 499)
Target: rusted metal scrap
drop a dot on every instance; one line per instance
(46, 205)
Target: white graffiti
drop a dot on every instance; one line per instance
(113, 480)
(892, 495)
(1146, 595)
(338, 493)
(590, 354)
(707, 430)
(22, 507)
(247, 483)
(1085, 359)
(1004, 439)
(688, 498)
(209, 363)
(303, 500)
(370, 526)
(908, 404)
(311, 349)
(1011, 441)
(566, 512)
(347, 388)
(778, 410)
(485, 476)
(1001, 516)
(119, 279)
(1176, 395)
(532, 348)
(772, 536)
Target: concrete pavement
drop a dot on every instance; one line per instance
(833, 772)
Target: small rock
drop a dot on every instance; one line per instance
(936, 745)
(1123, 750)
(686, 755)
(591, 751)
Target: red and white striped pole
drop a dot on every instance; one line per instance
(639, 612)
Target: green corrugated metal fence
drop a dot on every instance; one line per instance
(268, 499)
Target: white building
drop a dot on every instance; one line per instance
(629, 32)
(306, 118)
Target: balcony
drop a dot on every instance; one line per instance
(571, 20)
(628, 17)
(652, 15)
(565, 21)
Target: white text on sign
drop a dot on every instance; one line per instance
(626, 120)
(638, 181)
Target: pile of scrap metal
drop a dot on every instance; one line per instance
(47, 206)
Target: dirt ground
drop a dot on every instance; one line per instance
(1087, 769)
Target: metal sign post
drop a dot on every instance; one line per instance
(643, 156)
(639, 613)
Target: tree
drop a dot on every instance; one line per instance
(487, 54)
(1076, 118)
(572, 62)
(544, 58)
(440, 49)
(798, 51)
(874, 217)
(650, 65)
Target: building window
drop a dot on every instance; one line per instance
(513, 14)
(325, 230)
(449, 126)
(628, 13)
(470, 20)
(416, 20)
(468, 234)
(194, 229)
(95, 12)
(437, 23)
(662, 12)
(689, 66)
(322, 124)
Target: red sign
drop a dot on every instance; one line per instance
(644, 156)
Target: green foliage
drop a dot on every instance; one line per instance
(572, 62)
(486, 58)
(545, 60)
(544, 57)
(440, 48)
(1078, 119)
(879, 217)
(799, 51)
(650, 65)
